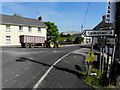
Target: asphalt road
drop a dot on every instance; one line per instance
(23, 67)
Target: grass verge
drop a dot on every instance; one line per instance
(96, 81)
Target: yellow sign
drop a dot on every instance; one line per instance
(90, 57)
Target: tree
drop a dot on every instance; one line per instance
(52, 29)
(62, 35)
(69, 40)
(68, 35)
(15, 14)
(78, 40)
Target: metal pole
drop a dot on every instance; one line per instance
(103, 61)
(89, 64)
(92, 44)
(81, 28)
(107, 60)
(100, 59)
(113, 56)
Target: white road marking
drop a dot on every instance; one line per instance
(47, 72)
(57, 51)
(17, 75)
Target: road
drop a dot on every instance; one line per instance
(23, 67)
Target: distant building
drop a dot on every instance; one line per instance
(11, 27)
(102, 26)
(71, 32)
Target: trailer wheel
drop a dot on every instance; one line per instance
(32, 45)
(52, 44)
(27, 45)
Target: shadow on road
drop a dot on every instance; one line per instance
(77, 73)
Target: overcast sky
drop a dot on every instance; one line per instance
(68, 16)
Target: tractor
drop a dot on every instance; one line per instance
(52, 42)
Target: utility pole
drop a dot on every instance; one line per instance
(117, 30)
(115, 69)
(81, 28)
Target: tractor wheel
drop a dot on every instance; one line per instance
(27, 45)
(32, 45)
(58, 45)
(52, 44)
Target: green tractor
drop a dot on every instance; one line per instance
(52, 42)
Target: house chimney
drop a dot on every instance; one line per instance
(40, 18)
(103, 17)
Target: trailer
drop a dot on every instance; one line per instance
(28, 41)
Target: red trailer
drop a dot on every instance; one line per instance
(31, 41)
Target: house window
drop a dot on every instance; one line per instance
(39, 29)
(8, 39)
(7, 27)
(29, 29)
(20, 28)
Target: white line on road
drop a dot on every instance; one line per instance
(47, 72)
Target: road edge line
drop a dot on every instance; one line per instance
(47, 72)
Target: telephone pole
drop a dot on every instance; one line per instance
(117, 30)
(81, 28)
(115, 71)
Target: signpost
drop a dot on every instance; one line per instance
(103, 41)
(111, 41)
(90, 59)
(97, 33)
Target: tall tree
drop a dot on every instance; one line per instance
(52, 29)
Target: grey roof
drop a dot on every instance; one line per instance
(18, 20)
(103, 24)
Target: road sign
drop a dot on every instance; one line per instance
(111, 41)
(101, 42)
(98, 33)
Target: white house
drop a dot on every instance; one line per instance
(11, 27)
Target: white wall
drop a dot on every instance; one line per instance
(15, 33)
(85, 40)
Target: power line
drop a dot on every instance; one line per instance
(86, 13)
(20, 4)
(16, 4)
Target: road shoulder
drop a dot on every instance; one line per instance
(67, 73)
